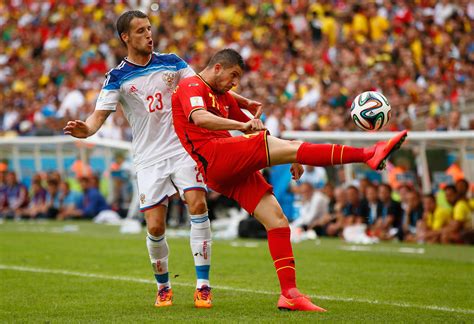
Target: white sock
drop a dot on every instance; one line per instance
(159, 252)
(201, 247)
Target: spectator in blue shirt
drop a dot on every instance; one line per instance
(92, 202)
(70, 201)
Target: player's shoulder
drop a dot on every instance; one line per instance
(114, 75)
(168, 59)
(192, 82)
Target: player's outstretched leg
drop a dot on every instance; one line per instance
(158, 251)
(283, 151)
(269, 213)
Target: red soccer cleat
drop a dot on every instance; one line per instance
(300, 303)
(384, 149)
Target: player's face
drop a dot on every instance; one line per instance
(226, 78)
(139, 37)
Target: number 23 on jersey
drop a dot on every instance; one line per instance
(155, 102)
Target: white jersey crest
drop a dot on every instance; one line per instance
(145, 94)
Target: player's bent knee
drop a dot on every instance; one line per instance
(156, 229)
(197, 207)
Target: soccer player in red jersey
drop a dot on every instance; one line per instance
(204, 112)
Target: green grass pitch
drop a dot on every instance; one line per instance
(93, 274)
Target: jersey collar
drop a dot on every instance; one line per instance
(138, 65)
(205, 82)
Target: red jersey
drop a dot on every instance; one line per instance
(192, 94)
(230, 165)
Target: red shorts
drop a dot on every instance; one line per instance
(234, 165)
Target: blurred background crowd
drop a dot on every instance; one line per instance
(305, 60)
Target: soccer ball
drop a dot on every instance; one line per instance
(370, 110)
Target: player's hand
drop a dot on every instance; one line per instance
(76, 128)
(255, 107)
(296, 170)
(253, 125)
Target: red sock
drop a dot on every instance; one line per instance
(331, 154)
(282, 255)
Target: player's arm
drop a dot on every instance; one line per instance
(81, 129)
(207, 120)
(253, 106)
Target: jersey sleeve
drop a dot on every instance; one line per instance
(235, 112)
(192, 97)
(109, 94)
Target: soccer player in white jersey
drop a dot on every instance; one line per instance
(143, 83)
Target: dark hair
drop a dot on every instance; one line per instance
(450, 187)
(430, 196)
(386, 185)
(227, 58)
(123, 22)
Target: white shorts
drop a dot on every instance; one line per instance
(162, 180)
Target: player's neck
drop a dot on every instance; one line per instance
(138, 59)
(206, 77)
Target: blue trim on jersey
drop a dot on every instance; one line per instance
(126, 71)
(199, 220)
(202, 272)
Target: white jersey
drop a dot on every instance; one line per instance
(145, 94)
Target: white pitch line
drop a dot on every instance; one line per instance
(262, 292)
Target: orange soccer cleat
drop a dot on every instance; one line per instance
(164, 297)
(300, 303)
(384, 149)
(203, 297)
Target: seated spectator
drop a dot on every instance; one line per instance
(92, 202)
(316, 176)
(428, 229)
(51, 205)
(461, 222)
(3, 192)
(412, 214)
(314, 205)
(37, 199)
(320, 224)
(69, 200)
(387, 222)
(336, 208)
(371, 206)
(352, 211)
(16, 197)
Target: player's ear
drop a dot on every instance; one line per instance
(217, 68)
(124, 36)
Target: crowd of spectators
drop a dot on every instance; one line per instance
(386, 214)
(306, 60)
(50, 197)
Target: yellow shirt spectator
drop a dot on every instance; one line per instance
(360, 27)
(462, 212)
(378, 26)
(438, 219)
(329, 29)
